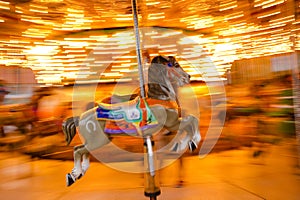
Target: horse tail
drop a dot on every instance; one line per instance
(69, 128)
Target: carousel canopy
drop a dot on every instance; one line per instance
(59, 39)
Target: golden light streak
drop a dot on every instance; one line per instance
(123, 70)
(111, 74)
(126, 57)
(226, 6)
(151, 3)
(75, 51)
(155, 16)
(111, 52)
(234, 15)
(38, 11)
(268, 3)
(124, 17)
(4, 2)
(4, 5)
(268, 15)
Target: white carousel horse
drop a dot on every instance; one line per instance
(147, 116)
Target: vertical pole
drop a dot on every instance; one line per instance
(138, 48)
(152, 189)
(150, 156)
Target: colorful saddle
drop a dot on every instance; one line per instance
(123, 116)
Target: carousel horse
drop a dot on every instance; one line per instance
(22, 115)
(142, 116)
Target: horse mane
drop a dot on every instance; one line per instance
(169, 60)
(159, 85)
(160, 59)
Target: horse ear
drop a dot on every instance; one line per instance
(173, 61)
(155, 59)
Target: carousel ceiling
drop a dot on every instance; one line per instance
(59, 39)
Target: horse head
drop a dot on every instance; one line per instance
(177, 75)
(165, 75)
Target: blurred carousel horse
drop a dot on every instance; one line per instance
(136, 116)
(22, 115)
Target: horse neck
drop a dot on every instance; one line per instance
(162, 82)
(160, 93)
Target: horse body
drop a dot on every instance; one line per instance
(91, 124)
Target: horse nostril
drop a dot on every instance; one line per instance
(189, 76)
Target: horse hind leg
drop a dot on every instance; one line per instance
(85, 162)
(77, 171)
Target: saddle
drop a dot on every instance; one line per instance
(114, 102)
(116, 99)
(125, 114)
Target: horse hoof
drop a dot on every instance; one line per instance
(192, 146)
(79, 176)
(175, 148)
(70, 179)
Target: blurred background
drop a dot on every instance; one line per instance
(59, 56)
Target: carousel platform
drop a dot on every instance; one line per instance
(234, 174)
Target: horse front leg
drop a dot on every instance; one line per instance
(78, 170)
(188, 134)
(190, 126)
(192, 129)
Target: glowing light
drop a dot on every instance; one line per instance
(42, 50)
(225, 31)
